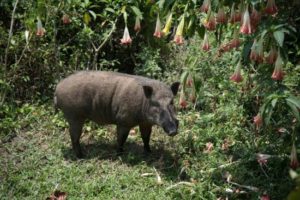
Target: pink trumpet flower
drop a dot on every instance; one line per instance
(137, 25)
(126, 40)
(157, 32)
(272, 56)
(255, 17)
(205, 44)
(210, 23)
(278, 73)
(235, 16)
(221, 16)
(257, 53)
(236, 76)
(246, 25)
(235, 42)
(182, 100)
(40, 31)
(178, 38)
(271, 7)
(205, 6)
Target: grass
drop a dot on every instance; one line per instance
(37, 159)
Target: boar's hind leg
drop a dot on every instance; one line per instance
(122, 134)
(145, 133)
(75, 133)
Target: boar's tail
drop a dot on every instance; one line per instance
(55, 104)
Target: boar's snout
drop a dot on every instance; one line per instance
(171, 128)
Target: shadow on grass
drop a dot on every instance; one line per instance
(163, 160)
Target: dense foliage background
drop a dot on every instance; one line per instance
(230, 99)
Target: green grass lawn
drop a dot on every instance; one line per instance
(37, 159)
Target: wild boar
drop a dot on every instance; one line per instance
(116, 98)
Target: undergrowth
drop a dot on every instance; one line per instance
(213, 156)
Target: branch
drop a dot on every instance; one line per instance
(10, 34)
(107, 38)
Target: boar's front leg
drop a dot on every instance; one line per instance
(122, 134)
(75, 133)
(145, 133)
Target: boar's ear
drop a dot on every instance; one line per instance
(174, 87)
(148, 90)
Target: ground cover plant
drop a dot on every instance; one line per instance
(238, 104)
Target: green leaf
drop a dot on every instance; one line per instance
(201, 31)
(161, 4)
(86, 18)
(294, 110)
(279, 37)
(93, 14)
(269, 112)
(183, 78)
(273, 102)
(110, 10)
(294, 100)
(137, 12)
(246, 52)
(295, 194)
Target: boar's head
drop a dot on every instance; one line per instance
(160, 108)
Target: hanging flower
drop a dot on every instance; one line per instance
(236, 76)
(265, 197)
(205, 44)
(260, 51)
(157, 32)
(257, 53)
(210, 22)
(246, 25)
(271, 7)
(235, 16)
(178, 38)
(278, 73)
(255, 16)
(66, 19)
(126, 37)
(189, 81)
(258, 121)
(205, 6)
(137, 25)
(40, 29)
(221, 16)
(272, 56)
(235, 42)
(167, 27)
(182, 100)
(193, 95)
(294, 164)
(253, 53)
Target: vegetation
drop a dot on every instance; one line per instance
(239, 102)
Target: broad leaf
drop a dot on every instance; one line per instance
(86, 18)
(294, 100)
(93, 14)
(294, 110)
(183, 78)
(279, 36)
(137, 12)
